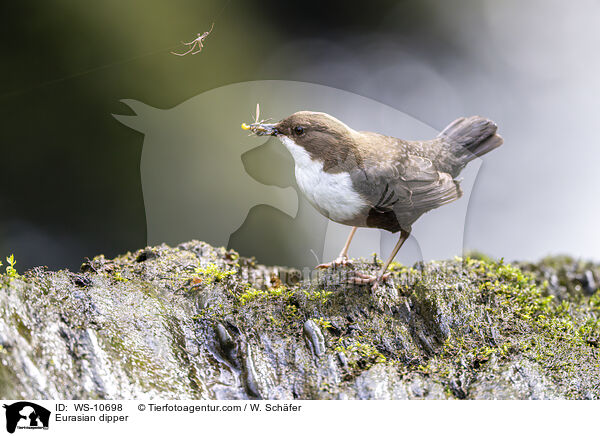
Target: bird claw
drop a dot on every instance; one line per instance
(340, 261)
(365, 279)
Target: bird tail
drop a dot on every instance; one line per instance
(471, 137)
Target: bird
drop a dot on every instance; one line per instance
(367, 179)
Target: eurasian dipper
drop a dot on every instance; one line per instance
(365, 179)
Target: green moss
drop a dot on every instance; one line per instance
(323, 323)
(320, 295)
(212, 273)
(23, 329)
(291, 312)
(252, 294)
(398, 268)
(478, 255)
(519, 307)
(118, 277)
(275, 322)
(360, 355)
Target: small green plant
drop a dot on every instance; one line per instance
(10, 269)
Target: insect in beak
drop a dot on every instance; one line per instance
(260, 128)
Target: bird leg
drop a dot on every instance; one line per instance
(342, 259)
(382, 275)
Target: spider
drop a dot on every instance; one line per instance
(196, 42)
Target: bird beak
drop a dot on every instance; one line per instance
(261, 129)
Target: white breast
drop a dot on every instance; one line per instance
(332, 194)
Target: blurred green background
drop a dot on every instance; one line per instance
(70, 179)
(70, 182)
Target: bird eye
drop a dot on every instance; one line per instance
(299, 130)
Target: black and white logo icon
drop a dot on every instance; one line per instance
(26, 415)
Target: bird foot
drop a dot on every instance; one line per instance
(340, 261)
(365, 279)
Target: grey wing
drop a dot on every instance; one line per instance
(429, 187)
(401, 193)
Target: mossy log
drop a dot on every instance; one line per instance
(197, 322)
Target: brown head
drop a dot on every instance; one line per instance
(322, 136)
